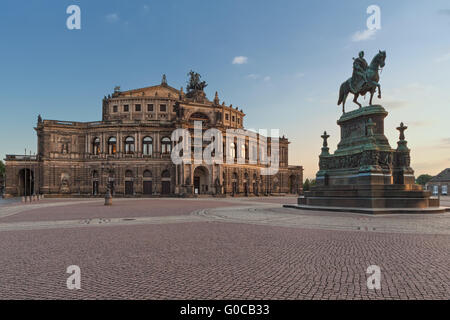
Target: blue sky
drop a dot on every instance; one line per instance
(297, 55)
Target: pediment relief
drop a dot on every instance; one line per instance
(163, 91)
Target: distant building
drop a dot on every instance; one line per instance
(440, 183)
(129, 151)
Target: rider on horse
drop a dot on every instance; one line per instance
(359, 76)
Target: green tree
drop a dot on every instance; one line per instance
(423, 179)
(306, 185)
(313, 182)
(2, 168)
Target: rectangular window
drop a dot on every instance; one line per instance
(126, 108)
(114, 108)
(162, 108)
(232, 118)
(227, 116)
(150, 107)
(138, 108)
(239, 120)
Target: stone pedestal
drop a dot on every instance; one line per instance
(364, 171)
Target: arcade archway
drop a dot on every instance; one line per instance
(26, 182)
(293, 184)
(201, 180)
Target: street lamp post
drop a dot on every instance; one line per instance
(31, 166)
(25, 177)
(34, 180)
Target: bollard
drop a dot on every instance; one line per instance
(108, 198)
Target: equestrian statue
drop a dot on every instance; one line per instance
(364, 79)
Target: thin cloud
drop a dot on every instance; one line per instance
(444, 12)
(420, 123)
(395, 104)
(445, 142)
(240, 60)
(253, 76)
(299, 75)
(367, 34)
(112, 17)
(443, 58)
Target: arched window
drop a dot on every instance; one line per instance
(112, 145)
(165, 174)
(128, 174)
(129, 145)
(199, 116)
(147, 174)
(96, 146)
(233, 150)
(243, 151)
(166, 146)
(147, 146)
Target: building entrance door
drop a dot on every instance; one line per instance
(234, 187)
(129, 188)
(165, 187)
(111, 187)
(148, 186)
(255, 188)
(26, 182)
(196, 185)
(95, 187)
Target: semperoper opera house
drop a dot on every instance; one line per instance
(129, 151)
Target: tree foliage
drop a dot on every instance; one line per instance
(2, 168)
(423, 179)
(306, 185)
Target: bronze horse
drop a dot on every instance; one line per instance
(370, 85)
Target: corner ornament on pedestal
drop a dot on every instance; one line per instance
(402, 142)
(325, 149)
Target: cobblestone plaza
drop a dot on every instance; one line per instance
(205, 248)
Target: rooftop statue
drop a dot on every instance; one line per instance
(194, 83)
(164, 80)
(364, 79)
